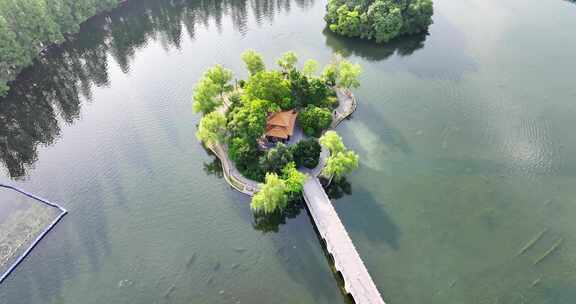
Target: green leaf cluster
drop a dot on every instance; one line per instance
(210, 89)
(314, 120)
(380, 20)
(306, 153)
(341, 160)
(212, 128)
(278, 190)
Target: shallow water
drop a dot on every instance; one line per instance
(464, 137)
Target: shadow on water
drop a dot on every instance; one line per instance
(51, 91)
(379, 126)
(373, 221)
(338, 188)
(371, 51)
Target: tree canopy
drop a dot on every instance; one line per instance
(221, 78)
(212, 128)
(340, 164)
(205, 96)
(271, 86)
(288, 61)
(314, 120)
(380, 20)
(341, 161)
(306, 153)
(253, 61)
(332, 141)
(276, 158)
(273, 195)
(310, 67)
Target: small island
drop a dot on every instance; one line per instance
(379, 20)
(272, 135)
(271, 130)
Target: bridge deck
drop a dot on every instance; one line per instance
(357, 280)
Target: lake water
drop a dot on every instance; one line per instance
(466, 192)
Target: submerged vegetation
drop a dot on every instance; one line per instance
(379, 20)
(237, 118)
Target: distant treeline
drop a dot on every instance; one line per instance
(29, 26)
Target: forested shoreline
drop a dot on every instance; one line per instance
(29, 26)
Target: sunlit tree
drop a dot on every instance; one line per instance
(348, 75)
(332, 141)
(340, 164)
(212, 128)
(288, 61)
(273, 196)
(310, 67)
(254, 62)
(205, 96)
(221, 78)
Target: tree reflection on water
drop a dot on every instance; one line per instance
(52, 90)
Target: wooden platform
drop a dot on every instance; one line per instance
(357, 280)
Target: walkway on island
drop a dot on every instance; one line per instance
(347, 261)
(357, 280)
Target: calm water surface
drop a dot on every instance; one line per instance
(465, 137)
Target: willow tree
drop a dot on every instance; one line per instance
(340, 164)
(221, 77)
(254, 62)
(212, 128)
(205, 96)
(332, 141)
(272, 197)
(288, 61)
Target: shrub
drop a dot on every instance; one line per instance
(307, 153)
(276, 159)
(314, 120)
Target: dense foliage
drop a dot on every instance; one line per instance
(314, 120)
(212, 128)
(381, 20)
(341, 160)
(253, 61)
(306, 153)
(237, 116)
(276, 158)
(278, 190)
(209, 92)
(271, 86)
(28, 26)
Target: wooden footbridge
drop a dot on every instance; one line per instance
(357, 280)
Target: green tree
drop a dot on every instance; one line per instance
(381, 20)
(332, 141)
(340, 164)
(249, 121)
(269, 85)
(221, 78)
(276, 158)
(348, 75)
(294, 180)
(306, 153)
(205, 94)
(254, 62)
(272, 197)
(330, 74)
(212, 128)
(314, 120)
(288, 61)
(310, 67)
